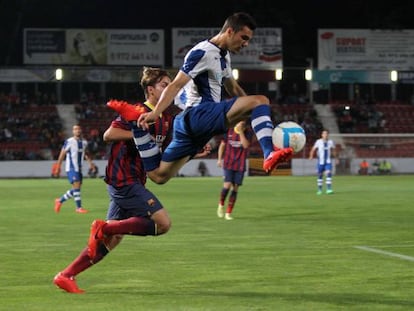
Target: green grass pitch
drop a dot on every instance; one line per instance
(286, 249)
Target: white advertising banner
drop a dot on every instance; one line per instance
(263, 52)
(141, 47)
(93, 47)
(364, 49)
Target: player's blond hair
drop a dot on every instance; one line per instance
(151, 76)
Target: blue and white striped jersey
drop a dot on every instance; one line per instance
(208, 66)
(324, 150)
(75, 153)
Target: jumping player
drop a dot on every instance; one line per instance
(204, 74)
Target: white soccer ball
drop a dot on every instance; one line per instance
(289, 134)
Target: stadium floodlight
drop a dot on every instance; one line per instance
(235, 73)
(59, 74)
(308, 74)
(278, 74)
(394, 75)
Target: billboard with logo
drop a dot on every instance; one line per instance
(263, 52)
(364, 49)
(45, 46)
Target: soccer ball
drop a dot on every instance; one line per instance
(289, 134)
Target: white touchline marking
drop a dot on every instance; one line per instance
(378, 251)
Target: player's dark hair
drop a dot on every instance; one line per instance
(237, 21)
(151, 76)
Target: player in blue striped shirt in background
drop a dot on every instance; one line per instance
(74, 152)
(325, 150)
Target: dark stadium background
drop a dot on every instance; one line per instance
(299, 20)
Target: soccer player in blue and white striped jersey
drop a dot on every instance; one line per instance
(205, 73)
(325, 150)
(74, 153)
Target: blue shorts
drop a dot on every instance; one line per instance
(130, 201)
(195, 126)
(324, 167)
(74, 176)
(235, 177)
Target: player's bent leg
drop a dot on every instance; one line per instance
(167, 170)
(147, 147)
(243, 107)
(113, 241)
(162, 220)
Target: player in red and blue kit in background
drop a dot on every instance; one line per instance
(133, 209)
(234, 146)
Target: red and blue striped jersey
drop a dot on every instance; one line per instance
(234, 154)
(124, 165)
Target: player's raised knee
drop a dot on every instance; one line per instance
(261, 100)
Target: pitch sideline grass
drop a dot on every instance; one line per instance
(287, 248)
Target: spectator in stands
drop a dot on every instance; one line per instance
(93, 171)
(202, 169)
(363, 167)
(7, 133)
(383, 125)
(75, 151)
(375, 167)
(83, 101)
(385, 167)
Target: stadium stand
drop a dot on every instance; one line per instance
(384, 117)
(30, 129)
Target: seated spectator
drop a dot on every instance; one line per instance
(363, 167)
(375, 167)
(202, 169)
(93, 171)
(385, 167)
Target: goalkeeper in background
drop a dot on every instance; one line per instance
(74, 153)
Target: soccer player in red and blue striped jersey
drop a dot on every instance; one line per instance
(133, 209)
(234, 147)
